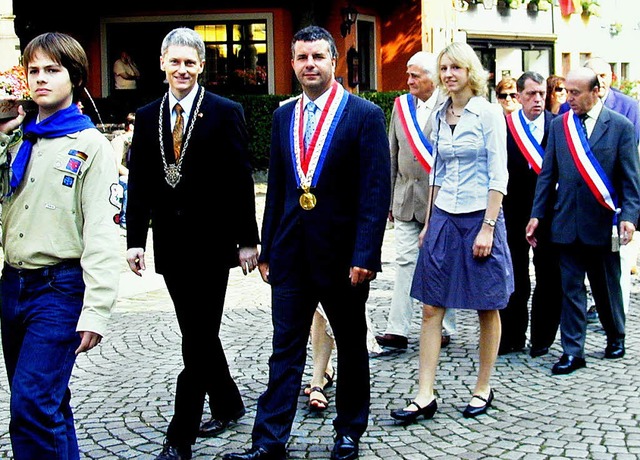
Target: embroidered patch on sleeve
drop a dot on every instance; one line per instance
(73, 165)
(116, 193)
(77, 153)
(67, 181)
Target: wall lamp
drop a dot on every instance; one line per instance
(349, 17)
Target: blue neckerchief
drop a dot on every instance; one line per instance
(61, 123)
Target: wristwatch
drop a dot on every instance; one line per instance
(489, 222)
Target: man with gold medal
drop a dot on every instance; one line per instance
(327, 201)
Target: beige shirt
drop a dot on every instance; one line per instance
(125, 74)
(64, 209)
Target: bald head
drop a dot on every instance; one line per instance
(582, 89)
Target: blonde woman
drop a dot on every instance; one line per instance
(464, 237)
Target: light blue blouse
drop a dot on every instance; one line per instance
(472, 159)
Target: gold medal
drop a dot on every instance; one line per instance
(307, 199)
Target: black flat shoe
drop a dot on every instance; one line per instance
(410, 416)
(474, 411)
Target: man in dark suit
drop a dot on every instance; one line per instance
(527, 135)
(180, 141)
(617, 101)
(592, 159)
(326, 206)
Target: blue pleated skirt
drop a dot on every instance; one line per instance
(447, 275)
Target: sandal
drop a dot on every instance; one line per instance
(317, 404)
(327, 377)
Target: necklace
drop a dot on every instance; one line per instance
(453, 113)
(172, 172)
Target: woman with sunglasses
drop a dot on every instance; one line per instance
(556, 93)
(506, 93)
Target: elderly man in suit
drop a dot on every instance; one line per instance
(324, 221)
(617, 101)
(180, 141)
(409, 131)
(592, 160)
(527, 136)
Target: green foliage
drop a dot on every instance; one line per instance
(258, 110)
(629, 87)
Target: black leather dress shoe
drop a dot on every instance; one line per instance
(614, 349)
(345, 448)
(392, 341)
(538, 351)
(474, 411)
(255, 453)
(170, 452)
(567, 364)
(410, 416)
(215, 426)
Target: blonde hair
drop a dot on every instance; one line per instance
(463, 55)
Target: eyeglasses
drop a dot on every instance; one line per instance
(504, 95)
(560, 89)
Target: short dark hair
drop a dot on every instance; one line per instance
(64, 50)
(312, 34)
(529, 75)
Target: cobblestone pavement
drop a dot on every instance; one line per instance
(122, 392)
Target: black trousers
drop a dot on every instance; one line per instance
(206, 370)
(293, 304)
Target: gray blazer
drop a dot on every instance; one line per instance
(409, 180)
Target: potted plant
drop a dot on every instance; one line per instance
(590, 8)
(615, 28)
(544, 5)
(533, 6)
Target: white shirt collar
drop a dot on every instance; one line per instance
(320, 101)
(186, 102)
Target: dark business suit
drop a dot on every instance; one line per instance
(581, 227)
(547, 295)
(619, 102)
(309, 255)
(216, 180)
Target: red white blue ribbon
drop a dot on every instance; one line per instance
(420, 145)
(308, 165)
(588, 164)
(528, 145)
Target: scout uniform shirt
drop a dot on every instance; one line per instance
(63, 210)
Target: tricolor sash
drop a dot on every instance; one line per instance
(308, 164)
(528, 145)
(420, 145)
(588, 165)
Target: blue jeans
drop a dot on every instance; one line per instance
(39, 312)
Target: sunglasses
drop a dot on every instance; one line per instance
(504, 95)
(560, 89)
